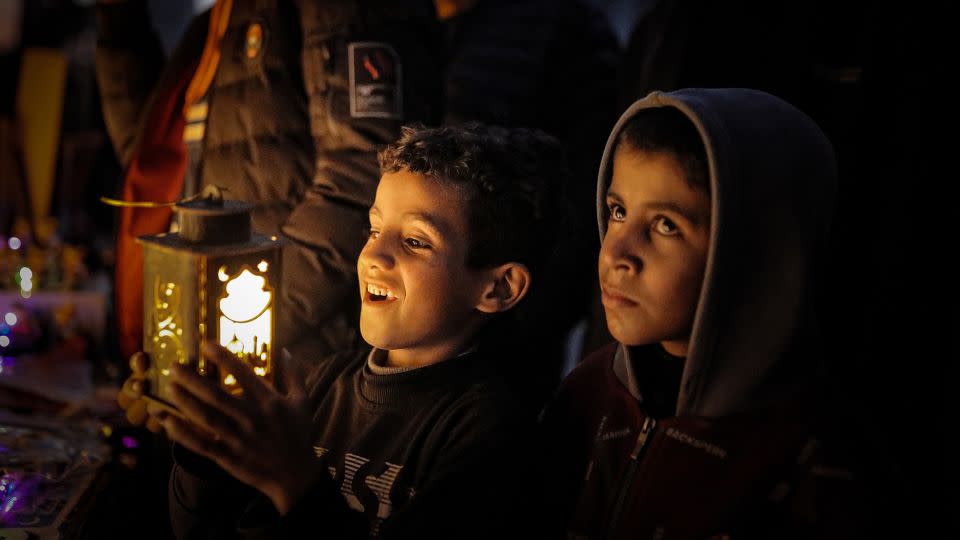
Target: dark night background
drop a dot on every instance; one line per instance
(873, 75)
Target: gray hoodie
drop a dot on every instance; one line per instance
(773, 183)
(737, 458)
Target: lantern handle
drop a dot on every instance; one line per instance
(211, 192)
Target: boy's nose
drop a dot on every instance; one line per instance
(376, 254)
(618, 252)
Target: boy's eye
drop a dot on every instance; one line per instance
(374, 234)
(415, 244)
(616, 212)
(665, 226)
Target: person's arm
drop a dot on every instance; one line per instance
(564, 452)
(324, 233)
(205, 502)
(131, 67)
(129, 58)
(483, 484)
(466, 486)
(214, 480)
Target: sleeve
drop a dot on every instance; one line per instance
(565, 459)
(129, 58)
(205, 502)
(325, 232)
(480, 485)
(823, 496)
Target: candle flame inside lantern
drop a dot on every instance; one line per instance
(245, 320)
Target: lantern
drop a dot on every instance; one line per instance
(213, 279)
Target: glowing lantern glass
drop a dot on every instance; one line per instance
(213, 279)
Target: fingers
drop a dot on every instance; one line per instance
(294, 378)
(127, 395)
(204, 415)
(153, 423)
(132, 388)
(229, 363)
(139, 363)
(193, 438)
(205, 444)
(137, 412)
(207, 390)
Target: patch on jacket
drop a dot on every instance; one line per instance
(376, 82)
(253, 41)
(707, 447)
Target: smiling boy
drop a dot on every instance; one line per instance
(413, 277)
(415, 437)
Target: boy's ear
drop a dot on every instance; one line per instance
(505, 285)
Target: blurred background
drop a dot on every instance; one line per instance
(873, 75)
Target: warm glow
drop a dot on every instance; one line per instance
(246, 300)
(263, 266)
(166, 338)
(222, 274)
(245, 320)
(229, 380)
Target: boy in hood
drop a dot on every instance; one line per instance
(416, 435)
(713, 206)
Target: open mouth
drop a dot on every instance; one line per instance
(379, 294)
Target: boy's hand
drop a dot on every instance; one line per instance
(261, 437)
(130, 397)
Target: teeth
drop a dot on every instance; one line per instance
(372, 289)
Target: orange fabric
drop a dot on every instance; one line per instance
(447, 9)
(219, 17)
(155, 173)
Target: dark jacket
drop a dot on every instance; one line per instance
(732, 458)
(431, 452)
(281, 132)
(626, 474)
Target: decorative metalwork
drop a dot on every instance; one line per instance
(167, 345)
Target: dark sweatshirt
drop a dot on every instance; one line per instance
(432, 452)
(735, 452)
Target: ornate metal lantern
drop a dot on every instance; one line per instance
(213, 279)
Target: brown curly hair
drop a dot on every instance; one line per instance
(512, 178)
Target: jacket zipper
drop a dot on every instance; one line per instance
(645, 431)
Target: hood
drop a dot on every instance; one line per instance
(773, 183)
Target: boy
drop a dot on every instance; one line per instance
(416, 437)
(712, 207)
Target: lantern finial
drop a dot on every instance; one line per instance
(212, 195)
